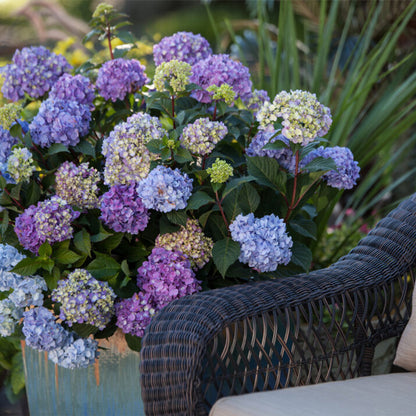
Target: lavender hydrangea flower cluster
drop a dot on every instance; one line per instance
(20, 164)
(182, 46)
(127, 158)
(7, 141)
(202, 135)
(165, 189)
(217, 70)
(134, 314)
(191, 241)
(77, 185)
(74, 88)
(49, 220)
(167, 275)
(60, 121)
(75, 353)
(84, 299)
(28, 292)
(264, 242)
(41, 330)
(122, 209)
(9, 257)
(119, 77)
(9, 316)
(33, 71)
(348, 171)
(304, 117)
(257, 100)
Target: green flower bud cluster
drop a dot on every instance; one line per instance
(176, 73)
(20, 164)
(8, 115)
(224, 92)
(220, 171)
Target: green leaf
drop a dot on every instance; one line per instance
(267, 172)
(126, 36)
(45, 250)
(121, 50)
(321, 164)
(3, 182)
(85, 147)
(277, 145)
(125, 267)
(134, 343)
(177, 217)
(231, 206)
(182, 155)
(248, 199)
(104, 267)
(224, 253)
(301, 256)
(154, 146)
(91, 34)
(82, 242)
(304, 227)
(84, 330)
(17, 376)
(57, 148)
(27, 266)
(199, 199)
(204, 218)
(102, 235)
(66, 256)
(5, 221)
(111, 242)
(235, 183)
(32, 194)
(47, 264)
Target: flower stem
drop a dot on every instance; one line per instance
(293, 205)
(214, 116)
(108, 32)
(173, 110)
(222, 211)
(16, 202)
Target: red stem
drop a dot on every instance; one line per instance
(221, 211)
(18, 204)
(214, 116)
(295, 183)
(109, 40)
(173, 110)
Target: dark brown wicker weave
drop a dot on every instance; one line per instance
(293, 331)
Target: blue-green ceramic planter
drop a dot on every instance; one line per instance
(111, 387)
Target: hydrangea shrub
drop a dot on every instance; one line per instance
(121, 193)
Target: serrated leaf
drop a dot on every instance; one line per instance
(82, 242)
(84, 330)
(45, 250)
(301, 256)
(66, 256)
(182, 155)
(104, 267)
(154, 146)
(85, 147)
(126, 36)
(204, 218)
(267, 172)
(102, 235)
(32, 194)
(57, 148)
(199, 199)
(235, 183)
(321, 164)
(277, 145)
(304, 227)
(26, 266)
(125, 267)
(5, 221)
(17, 376)
(134, 343)
(47, 264)
(248, 198)
(177, 217)
(91, 34)
(111, 242)
(224, 253)
(230, 205)
(3, 182)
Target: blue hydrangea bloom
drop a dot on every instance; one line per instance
(75, 353)
(9, 257)
(28, 292)
(6, 143)
(9, 316)
(60, 121)
(260, 140)
(348, 171)
(41, 330)
(165, 189)
(263, 241)
(33, 71)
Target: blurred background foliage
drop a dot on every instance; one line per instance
(359, 57)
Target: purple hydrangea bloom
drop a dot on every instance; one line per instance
(9, 316)
(263, 241)
(75, 353)
(60, 121)
(74, 88)
(260, 140)
(41, 330)
(165, 189)
(182, 46)
(217, 70)
(256, 100)
(49, 220)
(28, 292)
(122, 209)
(135, 313)
(9, 257)
(348, 171)
(84, 299)
(119, 77)
(167, 275)
(33, 71)
(7, 141)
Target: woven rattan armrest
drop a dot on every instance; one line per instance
(292, 331)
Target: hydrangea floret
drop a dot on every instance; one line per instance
(119, 77)
(127, 159)
(257, 100)
(167, 275)
(303, 117)
(29, 292)
(20, 164)
(9, 317)
(77, 184)
(220, 171)
(264, 241)
(9, 257)
(7, 141)
(182, 46)
(122, 209)
(33, 71)
(191, 241)
(224, 92)
(202, 135)
(165, 189)
(175, 73)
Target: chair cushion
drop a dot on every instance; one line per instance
(406, 350)
(382, 395)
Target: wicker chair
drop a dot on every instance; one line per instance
(294, 331)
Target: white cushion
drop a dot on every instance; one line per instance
(382, 395)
